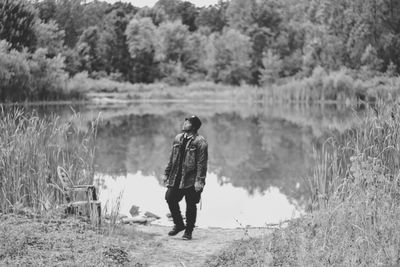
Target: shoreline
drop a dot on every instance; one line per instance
(69, 241)
(106, 101)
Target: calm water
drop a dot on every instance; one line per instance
(258, 156)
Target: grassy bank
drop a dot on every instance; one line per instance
(51, 240)
(106, 90)
(343, 86)
(34, 231)
(31, 150)
(338, 86)
(354, 217)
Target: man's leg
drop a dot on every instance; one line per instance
(192, 198)
(173, 196)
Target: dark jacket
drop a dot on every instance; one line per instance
(194, 166)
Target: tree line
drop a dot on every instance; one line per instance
(233, 42)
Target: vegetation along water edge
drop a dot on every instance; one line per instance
(289, 50)
(354, 211)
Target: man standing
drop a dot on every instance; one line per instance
(185, 175)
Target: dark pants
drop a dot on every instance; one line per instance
(173, 196)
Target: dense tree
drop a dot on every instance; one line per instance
(240, 14)
(48, 76)
(370, 59)
(49, 36)
(157, 15)
(69, 15)
(116, 52)
(17, 23)
(26, 76)
(89, 49)
(236, 41)
(228, 58)
(170, 8)
(272, 67)
(171, 41)
(195, 54)
(94, 13)
(188, 14)
(14, 73)
(171, 47)
(141, 38)
(213, 17)
(46, 9)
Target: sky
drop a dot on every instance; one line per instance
(150, 3)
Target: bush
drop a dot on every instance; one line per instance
(25, 76)
(49, 78)
(15, 74)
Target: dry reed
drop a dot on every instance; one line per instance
(31, 148)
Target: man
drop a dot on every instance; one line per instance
(185, 175)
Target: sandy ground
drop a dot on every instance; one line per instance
(164, 250)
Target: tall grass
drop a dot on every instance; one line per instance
(356, 197)
(31, 148)
(339, 86)
(355, 213)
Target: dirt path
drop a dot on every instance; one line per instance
(163, 250)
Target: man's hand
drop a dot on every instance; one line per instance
(198, 186)
(165, 180)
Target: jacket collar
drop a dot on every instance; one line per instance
(191, 137)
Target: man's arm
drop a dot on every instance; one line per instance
(202, 159)
(169, 165)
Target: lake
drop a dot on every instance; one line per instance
(259, 156)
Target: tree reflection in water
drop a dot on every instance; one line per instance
(254, 151)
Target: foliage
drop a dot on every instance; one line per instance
(213, 17)
(354, 213)
(14, 73)
(171, 49)
(229, 57)
(114, 48)
(17, 23)
(176, 42)
(272, 67)
(342, 85)
(89, 50)
(31, 76)
(32, 150)
(141, 40)
(49, 36)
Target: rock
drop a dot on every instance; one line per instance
(134, 211)
(151, 215)
(134, 220)
(120, 217)
(137, 220)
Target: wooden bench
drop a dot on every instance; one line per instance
(90, 206)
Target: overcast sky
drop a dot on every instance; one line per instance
(150, 3)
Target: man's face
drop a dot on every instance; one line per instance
(187, 126)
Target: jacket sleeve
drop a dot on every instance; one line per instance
(169, 165)
(202, 159)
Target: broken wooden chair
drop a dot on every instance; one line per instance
(90, 206)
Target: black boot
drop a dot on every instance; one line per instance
(176, 230)
(187, 235)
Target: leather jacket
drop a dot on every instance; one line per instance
(194, 165)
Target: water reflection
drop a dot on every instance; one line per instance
(254, 153)
(223, 205)
(258, 154)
